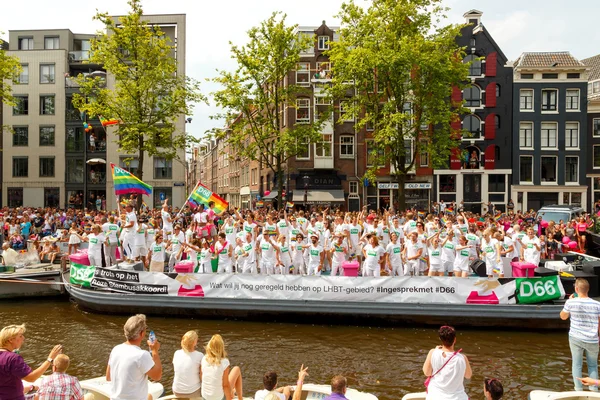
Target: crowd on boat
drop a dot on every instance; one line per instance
(444, 241)
(208, 376)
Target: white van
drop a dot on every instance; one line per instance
(556, 213)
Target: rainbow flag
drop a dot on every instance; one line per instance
(260, 204)
(498, 217)
(450, 210)
(126, 182)
(105, 122)
(421, 214)
(289, 204)
(202, 195)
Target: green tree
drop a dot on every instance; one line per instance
(147, 96)
(10, 68)
(255, 95)
(400, 65)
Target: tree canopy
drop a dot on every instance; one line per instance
(255, 97)
(10, 68)
(147, 94)
(401, 65)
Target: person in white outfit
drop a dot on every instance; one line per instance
(95, 240)
(268, 258)
(129, 230)
(339, 253)
(374, 258)
(413, 250)
(284, 257)
(110, 230)
(224, 251)
(316, 256)
(447, 369)
(177, 239)
(530, 248)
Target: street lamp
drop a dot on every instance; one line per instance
(306, 180)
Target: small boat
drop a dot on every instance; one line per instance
(100, 388)
(315, 392)
(547, 395)
(31, 281)
(415, 396)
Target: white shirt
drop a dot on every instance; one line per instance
(95, 243)
(338, 256)
(187, 371)
(212, 379)
(128, 368)
(131, 217)
(261, 394)
(158, 251)
(373, 255)
(394, 251)
(267, 252)
(447, 384)
(111, 232)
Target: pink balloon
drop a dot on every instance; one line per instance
(267, 192)
(544, 224)
(572, 245)
(566, 240)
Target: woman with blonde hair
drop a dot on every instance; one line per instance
(219, 381)
(186, 366)
(13, 367)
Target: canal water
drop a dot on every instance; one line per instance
(384, 361)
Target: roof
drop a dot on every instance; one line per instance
(547, 59)
(594, 64)
(473, 12)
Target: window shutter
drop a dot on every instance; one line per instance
(490, 157)
(490, 64)
(490, 127)
(490, 95)
(456, 95)
(455, 158)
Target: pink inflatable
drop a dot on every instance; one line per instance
(572, 245)
(544, 224)
(566, 240)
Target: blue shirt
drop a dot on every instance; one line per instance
(584, 314)
(335, 396)
(26, 228)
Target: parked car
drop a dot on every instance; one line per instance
(556, 213)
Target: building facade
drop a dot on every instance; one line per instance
(549, 130)
(479, 172)
(593, 132)
(49, 158)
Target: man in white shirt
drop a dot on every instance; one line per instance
(166, 220)
(129, 231)
(129, 367)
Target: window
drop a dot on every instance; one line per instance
(496, 183)
(549, 169)
(21, 105)
(47, 105)
(323, 148)
(572, 99)
(526, 76)
(129, 163)
(549, 76)
(498, 90)
(472, 125)
(15, 197)
(345, 114)
(75, 140)
(526, 169)
(596, 126)
(408, 151)
(549, 135)
(353, 187)
(596, 156)
(51, 197)
(26, 43)
(323, 42)
(497, 121)
(159, 194)
(472, 42)
(20, 136)
(549, 100)
(571, 169)
(310, 47)
(303, 151)
(572, 135)
(472, 96)
(47, 135)
(23, 78)
(447, 183)
(74, 169)
(423, 154)
(573, 75)
(346, 146)
(596, 86)
(526, 135)
(47, 73)
(302, 111)
(303, 74)
(323, 70)
(163, 168)
(46, 167)
(475, 67)
(526, 99)
(374, 154)
(51, 43)
(20, 167)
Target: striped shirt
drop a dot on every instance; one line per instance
(584, 314)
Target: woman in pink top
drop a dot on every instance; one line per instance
(582, 227)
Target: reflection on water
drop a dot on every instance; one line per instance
(384, 361)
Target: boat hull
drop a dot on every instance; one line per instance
(546, 395)
(545, 316)
(44, 281)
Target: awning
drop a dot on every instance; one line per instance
(271, 196)
(245, 191)
(319, 196)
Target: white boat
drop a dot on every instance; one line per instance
(314, 392)
(415, 396)
(547, 395)
(100, 388)
(32, 281)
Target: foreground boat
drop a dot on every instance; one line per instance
(32, 281)
(384, 300)
(100, 388)
(313, 391)
(415, 396)
(546, 395)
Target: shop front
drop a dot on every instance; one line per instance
(316, 189)
(383, 196)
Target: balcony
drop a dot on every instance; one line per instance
(79, 56)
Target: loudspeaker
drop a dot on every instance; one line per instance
(541, 271)
(478, 267)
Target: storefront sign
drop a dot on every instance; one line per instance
(316, 288)
(178, 183)
(417, 186)
(387, 186)
(321, 181)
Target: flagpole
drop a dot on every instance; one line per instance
(186, 200)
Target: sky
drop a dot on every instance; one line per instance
(516, 25)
